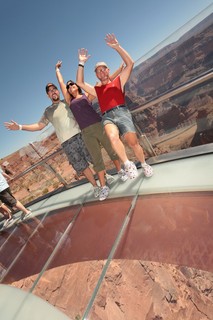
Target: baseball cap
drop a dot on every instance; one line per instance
(50, 85)
(100, 64)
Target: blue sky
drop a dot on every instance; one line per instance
(35, 34)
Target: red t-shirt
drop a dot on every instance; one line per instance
(110, 95)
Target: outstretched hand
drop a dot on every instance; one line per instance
(11, 125)
(111, 40)
(58, 64)
(83, 55)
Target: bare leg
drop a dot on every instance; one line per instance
(101, 177)
(117, 164)
(90, 177)
(133, 143)
(20, 206)
(117, 144)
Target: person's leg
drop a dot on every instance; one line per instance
(90, 136)
(5, 211)
(79, 158)
(117, 164)
(90, 177)
(95, 138)
(11, 201)
(132, 141)
(118, 146)
(7, 215)
(21, 207)
(112, 132)
(105, 142)
(127, 129)
(101, 177)
(76, 153)
(7, 202)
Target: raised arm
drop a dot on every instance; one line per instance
(112, 42)
(83, 57)
(62, 85)
(117, 72)
(28, 127)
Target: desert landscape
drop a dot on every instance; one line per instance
(162, 268)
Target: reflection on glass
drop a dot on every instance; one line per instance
(74, 271)
(163, 263)
(165, 257)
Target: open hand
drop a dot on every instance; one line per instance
(83, 55)
(111, 40)
(11, 125)
(58, 64)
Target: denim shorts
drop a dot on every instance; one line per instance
(77, 153)
(121, 117)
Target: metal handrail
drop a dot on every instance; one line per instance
(43, 162)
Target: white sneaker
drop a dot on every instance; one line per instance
(131, 170)
(109, 179)
(147, 170)
(96, 191)
(7, 222)
(25, 216)
(122, 175)
(104, 193)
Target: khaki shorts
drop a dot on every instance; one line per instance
(95, 138)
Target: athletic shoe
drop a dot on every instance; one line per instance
(147, 170)
(104, 193)
(25, 216)
(96, 191)
(109, 179)
(122, 175)
(131, 170)
(7, 222)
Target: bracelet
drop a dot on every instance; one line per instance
(57, 70)
(20, 127)
(81, 65)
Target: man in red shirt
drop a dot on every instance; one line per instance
(116, 117)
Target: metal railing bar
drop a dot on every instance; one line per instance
(112, 252)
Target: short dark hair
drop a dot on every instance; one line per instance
(50, 85)
(72, 82)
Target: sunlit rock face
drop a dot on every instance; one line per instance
(131, 290)
(173, 65)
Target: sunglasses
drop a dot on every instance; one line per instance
(51, 90)
(70, 85)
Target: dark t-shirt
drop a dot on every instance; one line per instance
(83, 112)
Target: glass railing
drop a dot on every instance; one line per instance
(117, 246)
(170, 96)
(179, 119)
